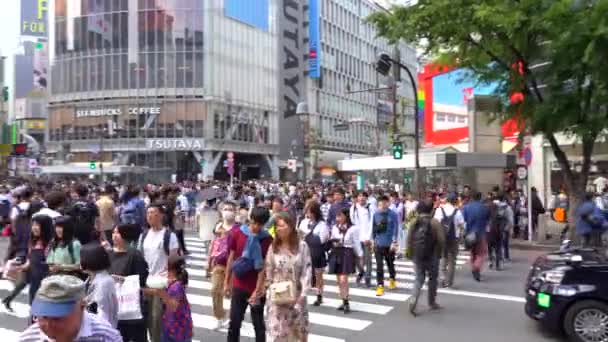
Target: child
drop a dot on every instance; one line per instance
(177, 318)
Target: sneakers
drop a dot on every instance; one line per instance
(477, 275)
(359, 278)
(380, 290)
(7, 305)
(346, 307)
(392, 284)
(221, 323)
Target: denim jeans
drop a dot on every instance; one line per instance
(367, 262)
(506, 239)
(384, 254)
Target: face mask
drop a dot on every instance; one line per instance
(228, 215)
(241, 218)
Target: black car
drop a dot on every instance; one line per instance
(568, 292)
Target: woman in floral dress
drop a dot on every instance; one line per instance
(288, 260)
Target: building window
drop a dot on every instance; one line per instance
(462, 119)
(451, 118)
(439, 117)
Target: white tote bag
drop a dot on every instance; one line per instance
(128, 294)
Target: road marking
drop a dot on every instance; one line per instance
(483, 295)
(209, 323)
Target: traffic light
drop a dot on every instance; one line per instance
(203, 162)
(397, 150)
(92, 165)
(383, 64)
(5, 94)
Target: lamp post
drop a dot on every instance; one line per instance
(383, 66)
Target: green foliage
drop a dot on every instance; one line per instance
(567, 93)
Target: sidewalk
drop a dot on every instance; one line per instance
(526, 245)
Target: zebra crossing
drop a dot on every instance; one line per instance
(327, 323)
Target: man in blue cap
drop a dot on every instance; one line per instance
(60, 306)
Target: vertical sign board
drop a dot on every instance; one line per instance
(292, 23)
(34, 18)
(314, 52)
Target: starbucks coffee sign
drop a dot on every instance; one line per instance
(175, 144)
(117, 111)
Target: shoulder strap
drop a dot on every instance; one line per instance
(143, 238)
(167, 241)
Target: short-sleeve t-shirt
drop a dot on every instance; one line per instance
(154, 252)
(236, 244)
(61, 255)
(178, 324)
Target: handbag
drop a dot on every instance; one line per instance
(284, 292)
(128, 294)
(470, 240)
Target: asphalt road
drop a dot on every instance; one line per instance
(488, 311)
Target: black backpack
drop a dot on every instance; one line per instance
(5, 208)
(499, 223)
(21, 231)
(166, 241)
(448, 224)
(83, 215)
(424, 244)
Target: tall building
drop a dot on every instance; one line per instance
(341, 88)
(159, 90)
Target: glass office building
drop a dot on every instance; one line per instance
(162, 88)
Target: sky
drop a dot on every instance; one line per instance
(9, 26)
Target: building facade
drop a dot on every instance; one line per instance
(167, 88)
(349, 48)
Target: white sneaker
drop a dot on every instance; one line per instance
(225, 323)
(218, 324)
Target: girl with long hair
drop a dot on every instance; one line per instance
(342, 256)
(64, 253)
(288, 260)
(316, 234)
(35, 268)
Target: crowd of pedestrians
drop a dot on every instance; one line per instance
(112, 260)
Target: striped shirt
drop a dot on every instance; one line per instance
(92, 329)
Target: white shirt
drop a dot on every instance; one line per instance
(154, 253)
(319, 230)
(410, 206)
(184, 205)
(348, 240)
(600, 183)
(23, 206)
(449, 211)
(362, 218)
(48, 212)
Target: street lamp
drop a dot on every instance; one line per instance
(383, 66)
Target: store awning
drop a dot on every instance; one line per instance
(84, 169)
(431, 160)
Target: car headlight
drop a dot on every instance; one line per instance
(571, 290)
(553, 277)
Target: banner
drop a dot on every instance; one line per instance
(292, 22)
(41, 65)
(314, 53)
(34, 18)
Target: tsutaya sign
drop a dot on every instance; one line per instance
(175, 144)
(85, 113)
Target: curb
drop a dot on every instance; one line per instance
(534, 247)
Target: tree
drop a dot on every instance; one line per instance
(500, 41)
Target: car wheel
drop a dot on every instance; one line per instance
(587, 321)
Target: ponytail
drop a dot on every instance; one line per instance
(182, 276)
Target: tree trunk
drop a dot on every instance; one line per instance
(576, 184)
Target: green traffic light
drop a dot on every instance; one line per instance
(397, 150)
(93, 165)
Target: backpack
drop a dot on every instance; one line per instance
(499, 222)
(5, 207)
(448, 224)
(424, 244)
(220, 255)
(381, 225)
(129, 213)
(84, 215)
(166, 241)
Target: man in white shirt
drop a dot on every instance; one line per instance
(361, 215)
(452, 221)
(156, 244)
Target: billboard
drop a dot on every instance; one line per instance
(34, 18)
(41, 65)
(251, 12)
(314, 44)
(442, 85)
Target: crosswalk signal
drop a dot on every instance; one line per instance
(93, 165)
(397, 150)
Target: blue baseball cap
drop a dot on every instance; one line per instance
(57, 296)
